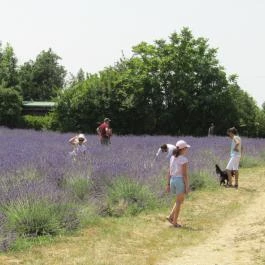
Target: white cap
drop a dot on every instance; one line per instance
(81, 136)
(182, 144)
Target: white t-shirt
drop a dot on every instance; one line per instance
(170, 149)
(78, 149)
(234, 153)
(176, 165)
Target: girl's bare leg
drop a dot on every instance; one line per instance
(172, 212)
(179, 201)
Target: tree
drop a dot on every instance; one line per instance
(80, 77)
(245, 109)
(182, 82)
(73, 80)
(43, 78)
(263, 106)
(8, 67)
(84, 104)
(260, 123)
(10, 106)
(168, 87)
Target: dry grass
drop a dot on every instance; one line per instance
(148, 238)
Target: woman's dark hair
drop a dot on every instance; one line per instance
(163, 146)
(176, 152)
(232, 130)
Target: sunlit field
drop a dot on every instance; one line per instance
(44, 191)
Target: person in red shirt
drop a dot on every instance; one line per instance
(104, 132)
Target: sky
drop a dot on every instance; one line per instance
(93, 34)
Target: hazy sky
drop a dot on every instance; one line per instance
(92, 34)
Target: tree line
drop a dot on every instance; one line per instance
(174, 86)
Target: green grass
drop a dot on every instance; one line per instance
(23, 243)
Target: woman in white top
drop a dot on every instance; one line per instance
(235, 155)
(177, 179)
(78, 142)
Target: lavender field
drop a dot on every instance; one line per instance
(43, 191)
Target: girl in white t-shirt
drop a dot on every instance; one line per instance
(178, 180)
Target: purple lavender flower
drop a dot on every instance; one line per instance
(37, 164)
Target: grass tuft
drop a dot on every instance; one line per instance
(79, 186)
(128, 197)
(31, 218)
(202, 180)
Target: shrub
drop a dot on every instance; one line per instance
(37, 122)
(79, 186)
(38, 217)
(67, 215)
(200, 180)
(128, 197)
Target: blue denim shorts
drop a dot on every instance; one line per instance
(177, 185)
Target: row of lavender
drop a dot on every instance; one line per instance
(36, 165)
(25, 154)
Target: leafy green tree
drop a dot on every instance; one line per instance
(8, 67)
(263, 106)
(28, 86)
(10, 106)
(168, 87)
(83, 105)
(260, 123)
(43, 78)
(181, 82)
(245, 108)
(80, 77)
(73, 80)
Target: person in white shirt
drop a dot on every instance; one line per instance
(78, 143)
(177, 179)
(166, 148)
(211, 130)
(235, 155)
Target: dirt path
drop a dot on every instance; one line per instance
(241, 240)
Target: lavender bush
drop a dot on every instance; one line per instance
(36, 167)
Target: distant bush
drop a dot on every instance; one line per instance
(39, 217)
(200, 180)
(128, 197)
(37, 122)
